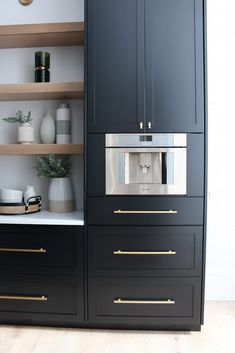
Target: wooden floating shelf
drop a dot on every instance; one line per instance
(41, 91)
(40, 149)
(42, 35)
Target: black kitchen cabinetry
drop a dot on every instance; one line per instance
(41, 275)
(145, 66)
(146, 253)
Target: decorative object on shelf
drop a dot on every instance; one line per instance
(33, 205)
(29, 193)
(47, 129)
(10, 196)
(63, 124)
(60, 195)
(42, 66)
(25, 130)
(25, 2)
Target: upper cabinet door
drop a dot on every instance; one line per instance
(115, 69)
(174, 65)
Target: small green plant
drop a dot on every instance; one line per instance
(52, 166)
(19, 118)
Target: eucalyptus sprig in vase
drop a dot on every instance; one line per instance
(25, 128)
(60, 194)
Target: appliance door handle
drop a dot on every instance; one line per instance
(124, 252)
(145, 212)
(42, 298)
(155, 302)
(41, 250)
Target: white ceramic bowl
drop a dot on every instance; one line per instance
(10, 195)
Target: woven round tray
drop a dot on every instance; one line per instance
(21, 208)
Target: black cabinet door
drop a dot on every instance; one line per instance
(174, 65)
(145, 302)
(145, 251)
(145, 64)
(115, 65)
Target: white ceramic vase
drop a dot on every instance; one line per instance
(60, 195)
(25, 133)
(29, 192)
(47, 129)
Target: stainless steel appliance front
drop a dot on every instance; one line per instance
(154, 164)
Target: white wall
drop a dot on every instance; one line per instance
(220, 269)
(40, 11)
(220, 272)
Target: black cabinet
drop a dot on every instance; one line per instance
(145, 210)
(145, 66)
(145, 251)
(41, 275)
(145, 302)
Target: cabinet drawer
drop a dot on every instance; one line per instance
(61, 296)
(141, 251)
(40, 247)
(144, 300)
(145, 211)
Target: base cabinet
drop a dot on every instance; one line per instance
(41, 300)
(41, 275)
(144, 302)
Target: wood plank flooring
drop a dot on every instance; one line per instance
(217, 336)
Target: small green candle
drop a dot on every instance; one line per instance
(42, 65)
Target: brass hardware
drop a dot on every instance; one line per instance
(155, 302)
(149, 125)
(144, 212)
(25, 2)
(23, 250)
(121, 252)
(17, 297)
(141, 125)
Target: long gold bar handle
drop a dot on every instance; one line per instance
(23, 250)
(155, 302)
(42, 298)
(144, 212)
(122, 252)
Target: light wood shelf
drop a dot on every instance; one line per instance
(42, 35)
(41, 91)
(40, 149)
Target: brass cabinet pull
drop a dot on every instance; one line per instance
(23, 250)
(124, 252)
(155, 302)
(145, 212)
(42, 298)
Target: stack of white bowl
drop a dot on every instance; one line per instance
(11, 196)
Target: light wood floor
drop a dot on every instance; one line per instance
(217, 336)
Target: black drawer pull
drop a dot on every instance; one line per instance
(42, 298)
(145, 212)
(155, 302)
(23, 250)
(124, 252)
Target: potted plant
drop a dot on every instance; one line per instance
(25, 130)
(60, 195)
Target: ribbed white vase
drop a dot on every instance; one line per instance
(60, 195)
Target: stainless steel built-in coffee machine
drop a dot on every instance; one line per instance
(154, 164)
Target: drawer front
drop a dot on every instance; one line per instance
(61, 296)
(145, 251)
(40, 247)
(145, 211)
(144, 300)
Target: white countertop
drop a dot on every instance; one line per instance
(45, 217)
